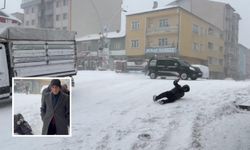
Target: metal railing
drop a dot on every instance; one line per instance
(169, 29)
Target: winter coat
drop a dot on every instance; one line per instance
(60, 113)
(21, 126)
(177, 92)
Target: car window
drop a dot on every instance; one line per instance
(152, 63)
(184, 63)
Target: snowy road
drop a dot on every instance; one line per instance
(111, 111)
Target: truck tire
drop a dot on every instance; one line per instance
(153, 75)
(184, 76)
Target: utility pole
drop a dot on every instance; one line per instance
(42, 19)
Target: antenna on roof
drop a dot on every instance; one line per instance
(155, 5)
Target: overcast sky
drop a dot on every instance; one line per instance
(241, 7)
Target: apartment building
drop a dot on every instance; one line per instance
(95, 16)
(83, 16)
(174, 31)
(224, 17)
(46, 13)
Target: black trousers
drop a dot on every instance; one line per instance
(168, 95)
(52, 129)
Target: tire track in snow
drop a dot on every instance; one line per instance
(225, 107)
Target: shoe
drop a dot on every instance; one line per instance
(154, 98)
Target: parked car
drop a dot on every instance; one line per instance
(172, 67)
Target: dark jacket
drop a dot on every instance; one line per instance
(60, 112)
(177, 92)
(21, 126)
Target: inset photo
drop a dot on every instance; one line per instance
(41, 107)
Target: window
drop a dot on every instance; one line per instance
(201, 47)
(117, 45)
(221, 49)
(64, 28)
(27, 10)
(195, 28)
(210, 31)
(210, 45)
(27, 23)
(65, 16)
(57, 4)
(65, 2)
(196, 47)
(134, 43)
(32, 10)
(135, 25)
(33, 22)
(163, 42)
(163, 22)
(57, 17)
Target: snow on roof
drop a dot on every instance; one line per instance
(9, 16)
(97, 36)
(21, 33)
(115, 34)
(89, 37)
(151, 10)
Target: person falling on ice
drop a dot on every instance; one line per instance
(171, 96)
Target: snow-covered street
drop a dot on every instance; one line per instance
(111, 111)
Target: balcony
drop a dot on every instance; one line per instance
(162, 30)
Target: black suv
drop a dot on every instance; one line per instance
(172, 67)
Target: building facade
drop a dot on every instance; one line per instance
(242, 63)
(95, 16)
(175, 32)
(46, 13)
(248, 64)
(83, 16)
(224, 17)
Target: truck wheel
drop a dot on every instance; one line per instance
(152, 75)
(184, 76)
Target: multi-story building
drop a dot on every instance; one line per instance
(95, 16)
(46, 13)
(173, 31)
(242, 63)
(224, 17)
(94, 52)
(9, 20)
(83, 16)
